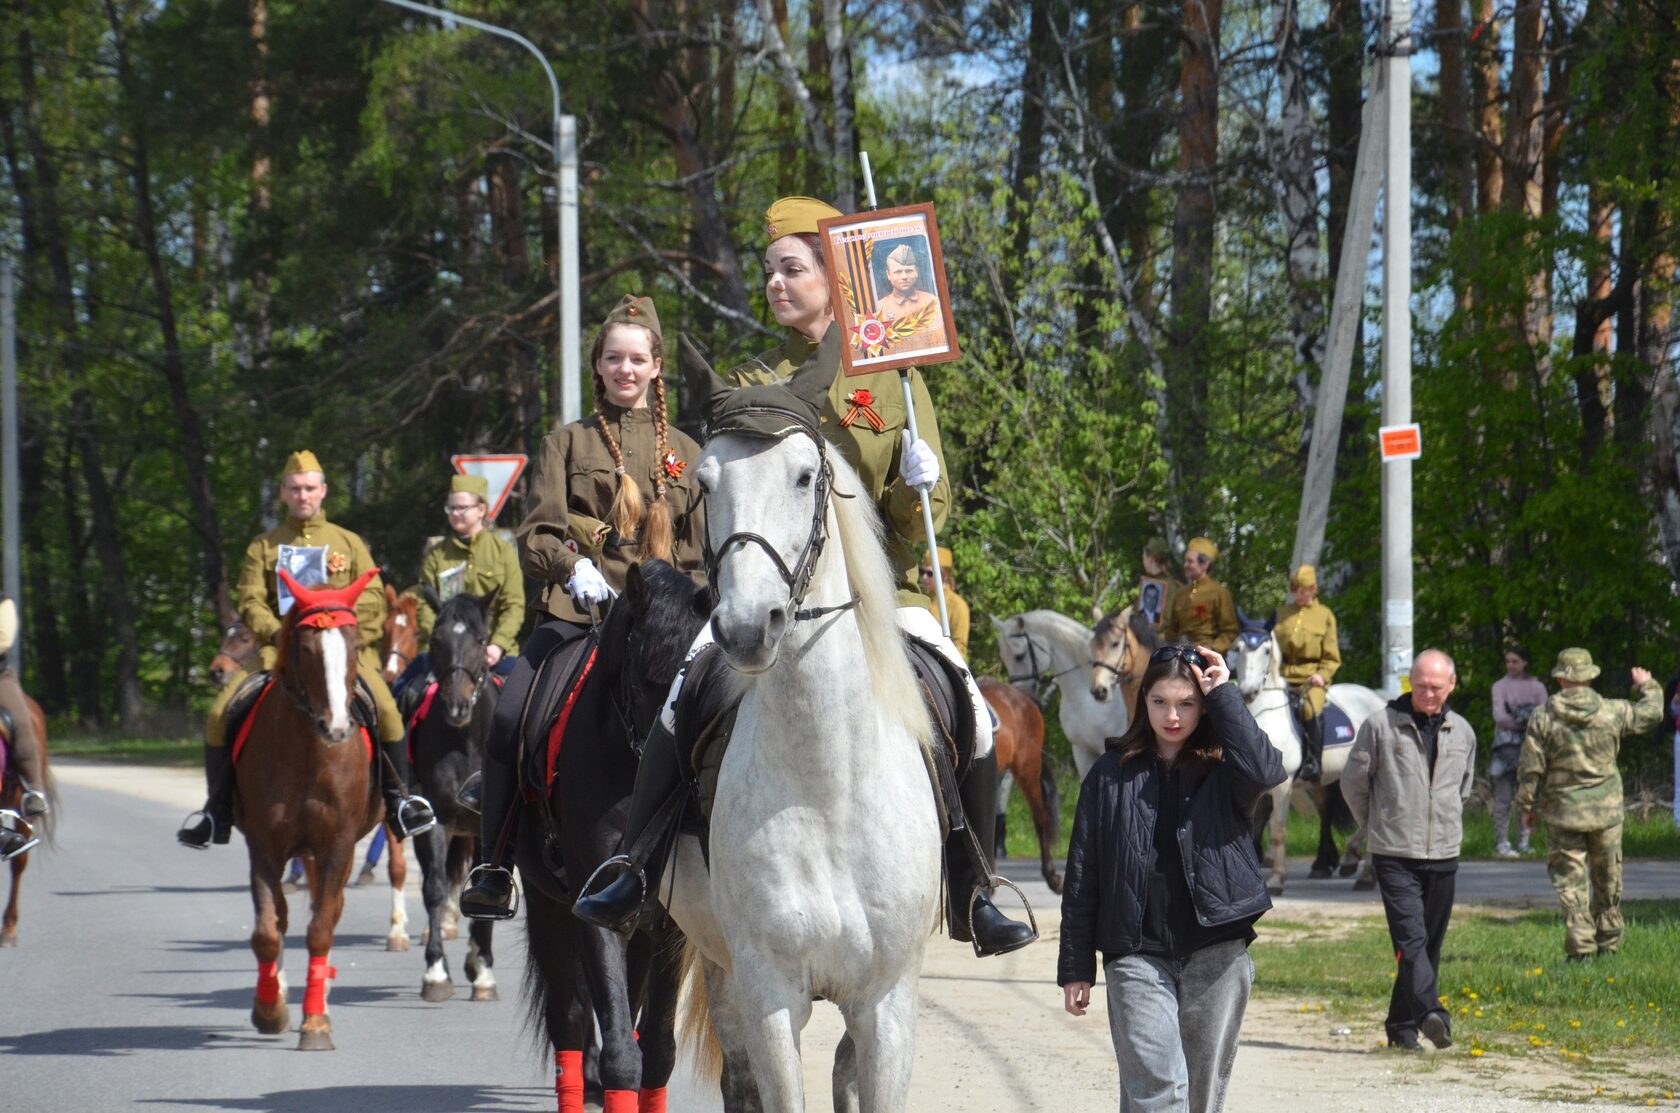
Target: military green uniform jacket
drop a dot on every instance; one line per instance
(347, 557)
(572, 491)
(1203, 613)
(1307, 636)
(1567, 771)
(477, 567)
(873, 453)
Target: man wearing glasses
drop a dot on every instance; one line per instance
(956, 607)
(471, 558)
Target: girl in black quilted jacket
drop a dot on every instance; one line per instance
(1164, 883)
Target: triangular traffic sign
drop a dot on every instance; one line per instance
(500, 472)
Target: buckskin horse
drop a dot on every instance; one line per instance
(577, 971)
(446, 746)
(11, 798)
(1019, 743)
(1121, 643)
(303, 770)
(1043, 646)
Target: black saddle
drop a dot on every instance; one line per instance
(944, 686)
(561, 672)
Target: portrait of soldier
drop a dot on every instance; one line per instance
(907, 295)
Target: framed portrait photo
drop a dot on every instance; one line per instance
(1152, 599)
(886, 279)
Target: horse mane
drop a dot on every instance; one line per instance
(1144, 630)
(668, 619)
(862, 538)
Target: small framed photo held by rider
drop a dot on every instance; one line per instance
(886, 278)
(1152, 599)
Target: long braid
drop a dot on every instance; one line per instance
(657, 539)
(627, 503)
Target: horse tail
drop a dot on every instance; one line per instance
(1052, 794)
(534, 997)
(695, 1032)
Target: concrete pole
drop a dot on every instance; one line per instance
(10, 488)
(1397, 347)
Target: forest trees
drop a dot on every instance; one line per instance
(249, 226)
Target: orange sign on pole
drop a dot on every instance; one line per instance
(500, 472)
(1400, 442)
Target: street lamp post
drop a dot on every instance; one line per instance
(564, 139)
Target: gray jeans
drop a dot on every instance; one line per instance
(1502, 769)
(1175, 1024)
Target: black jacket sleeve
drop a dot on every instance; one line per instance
(1077, 958)
(1250, 758)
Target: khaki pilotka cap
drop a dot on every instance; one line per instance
(1575, 664)
(792, 216)
(302, 460)
(633, 309)
(1305, 576)
(470, 485)
(1204, 546)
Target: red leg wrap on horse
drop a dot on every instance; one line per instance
(652, 1101)
(268, 982)
(315, 993)
(568, 1081)
(618, 1101)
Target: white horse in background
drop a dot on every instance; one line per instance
(1043, 645)
(824, 870)
(1255, 668)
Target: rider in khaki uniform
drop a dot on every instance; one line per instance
(863, 417)
(304, 490)
(22, 748)
(476, 563)
(1203, 612)
(1568, 773)
(1306, 634)
(607, 491)
(956, 607)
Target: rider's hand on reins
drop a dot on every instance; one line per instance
(1213, 672)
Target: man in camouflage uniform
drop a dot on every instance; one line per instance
(1202, 612)
(1568, 773)
(318, 554)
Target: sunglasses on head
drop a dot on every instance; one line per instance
(1185, 653)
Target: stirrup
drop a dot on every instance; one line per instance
(991, 887)
(414, 800)
(190, 822)
(617, 863)
(15, 823)
(34, 802)
(513, 891)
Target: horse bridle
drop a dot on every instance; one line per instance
(294, 663)
(798, 577)
(1039, 675)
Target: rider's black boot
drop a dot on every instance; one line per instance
(993, 932)
(1311, 768)
(658, 779)
(16, 836)
(489, 894)
(215, 823)
(406, 814)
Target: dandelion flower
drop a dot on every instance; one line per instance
(1476, 1053)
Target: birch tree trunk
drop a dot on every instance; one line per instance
(1297, 186)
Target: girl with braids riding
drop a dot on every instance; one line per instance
(606, 492)
(863, 417)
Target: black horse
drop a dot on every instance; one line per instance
(448, 747)
(577, 972)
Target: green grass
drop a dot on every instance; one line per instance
(139, 751)
(1504, 977)
(1655, 837)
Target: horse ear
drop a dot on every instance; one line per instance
(697, 374)
(1096, 613)
(634, 583)
(811, 382)
(432, 598)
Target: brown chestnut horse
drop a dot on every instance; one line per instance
(1019, 742)
(12, 797)
(401, 641)
(305, 788)
(239, 652)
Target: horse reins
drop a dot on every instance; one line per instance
(294, 663)
(1041, 676)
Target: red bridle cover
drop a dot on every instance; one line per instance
(325, 607)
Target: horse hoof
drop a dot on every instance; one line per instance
(1319, 873)
(317, 1040)
(271, 1024)
(485, 993)
(8, 938)
(1054, 881)
(436, 991)
(1348, 870)
(1363, 885)
(1275, 888)
(396, 941)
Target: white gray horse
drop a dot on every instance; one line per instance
(823, 876)
(1255, 668)
(1042, 645)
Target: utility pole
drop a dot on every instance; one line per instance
(569, 387)
(10, 489)
(1396, 46)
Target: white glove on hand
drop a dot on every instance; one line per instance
(588, 588)
(918, 464)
